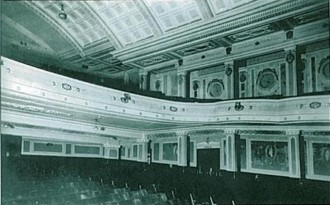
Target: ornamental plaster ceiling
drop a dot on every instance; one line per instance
(110, 38)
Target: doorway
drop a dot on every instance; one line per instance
(208, 161)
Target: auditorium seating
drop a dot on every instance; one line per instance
(70, 191)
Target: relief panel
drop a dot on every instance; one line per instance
(165, 150)
(209, 83)
(271, 155)
(317, 157)
(317, 70)
(263, 79)
(165, 83)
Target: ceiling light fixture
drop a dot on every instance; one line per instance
(62, 14)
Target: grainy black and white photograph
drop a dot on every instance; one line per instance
(165, 102)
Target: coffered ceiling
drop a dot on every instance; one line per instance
(109, 38)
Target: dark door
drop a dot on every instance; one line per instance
(208, 160)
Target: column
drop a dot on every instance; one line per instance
(307, 75)
(143, 80)
(143, 149)
(182, 149)
(229, 71)
(296, 153)
(291, 70)
(182, 87)
(126, 78)
(230, 150)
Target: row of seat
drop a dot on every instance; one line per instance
(53, 192)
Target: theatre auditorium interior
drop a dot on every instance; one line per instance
(165, 102)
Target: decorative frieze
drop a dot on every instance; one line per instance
(206, 132)
(31, 108)
(316, 133)
(261, 132)
(265, 58)
(48, 129)
(162, 135)
(188, 133)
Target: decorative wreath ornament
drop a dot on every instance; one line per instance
(325, 154)
(215, 88)
(324, 69)
(271, 151)
(267, 81)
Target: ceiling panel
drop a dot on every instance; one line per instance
(80, 24)
(219, 6)
(172, 14)
(45, 35)
(124, 19)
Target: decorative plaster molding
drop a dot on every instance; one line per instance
(206, 132)
(265, 58)
(261, 132)
(46, 129)
(197, 48)
(181, 133)
(153, 60)
(31, 108)
(162, 135)
(316, 133)
(251, 33)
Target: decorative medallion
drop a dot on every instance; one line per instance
(315, 105)
(242, 77)
(66, 86)
(157, 85)
(271, 151)
(126, 98)
(267, 81)
(238, 106)
(173, 109)
(289, 57)
(324, 68)
(229, 71)
(325, 153)
(195, 85)
(215, 88)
